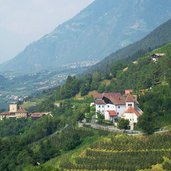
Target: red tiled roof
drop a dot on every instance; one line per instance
(7, 113)
(97, 96)
(115, 98)
(38, 114)
(128, 91)
(112, 95)
(99, 102)
(132, 110)
(130, 98)
(112, 113)
(21, 110)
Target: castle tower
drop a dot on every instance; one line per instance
(13, 108)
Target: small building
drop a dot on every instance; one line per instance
(156, 56)
(115, 105)
(14, 112)
(128, 91)
(13, 108)
(38, 115)
(132, 115)
(7, 115)
(21, 113)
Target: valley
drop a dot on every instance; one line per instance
(18, 88)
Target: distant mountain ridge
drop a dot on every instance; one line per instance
(158, 37)
(100, 29)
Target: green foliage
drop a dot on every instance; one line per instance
(121, 152)
(11, 127)
(157, 110)
(38, 141)
(147, 123)
(123, 124)
(100, 118)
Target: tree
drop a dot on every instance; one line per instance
(123, 124)
(100, 118)
(147, 123)
(85, 88)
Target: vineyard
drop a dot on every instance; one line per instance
(123, 153)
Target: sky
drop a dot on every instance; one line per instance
(25, 21)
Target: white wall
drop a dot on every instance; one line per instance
(13, 107)
(120, 109)
(105, 107)
(109, 107)
(100, 108)
(132, 117)
(128, 104)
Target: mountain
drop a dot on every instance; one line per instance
(2, 80)
(160, 36)
(100, 29)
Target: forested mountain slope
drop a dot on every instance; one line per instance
(157, 38)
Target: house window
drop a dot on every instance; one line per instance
(99, 106)
(108, 106)
(129, 104)
(118, 107)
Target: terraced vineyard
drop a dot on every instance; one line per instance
(123, 153)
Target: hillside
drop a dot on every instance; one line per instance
(121, 152)
(155, 79)
(160, 36)
(59, 138)
(143, 74)
(2, 81)
(77, 40)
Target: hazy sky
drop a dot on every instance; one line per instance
(24, 21)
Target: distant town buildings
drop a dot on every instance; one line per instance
(19, 112)
(14, 112)
(115, 105)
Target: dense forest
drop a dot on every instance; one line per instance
(26, 143)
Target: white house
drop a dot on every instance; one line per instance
(155, 57)
(116, 105)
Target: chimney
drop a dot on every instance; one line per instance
(128, 91)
